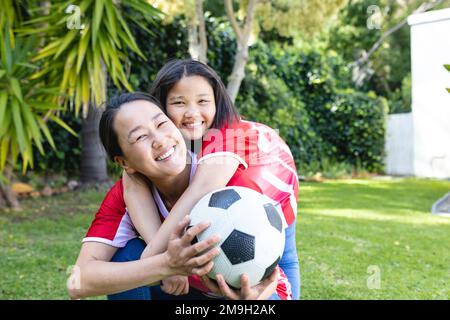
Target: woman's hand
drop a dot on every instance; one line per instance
(183, 258)
(175, 285)
(261, 291)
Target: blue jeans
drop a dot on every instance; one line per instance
(289, 261)
(134, 248)
(131, 252)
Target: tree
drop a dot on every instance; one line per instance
(243, 42)
(364, 58)
(310, 16)
(198, 45)
(298, 20)
(373, 37)
(25, 103)
(87, 44)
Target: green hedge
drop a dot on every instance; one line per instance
(307, 95)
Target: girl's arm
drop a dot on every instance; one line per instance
(211, 174)
(141, 207)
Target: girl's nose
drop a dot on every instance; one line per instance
(191, 112)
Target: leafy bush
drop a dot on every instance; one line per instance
(66, 157)
(308, 96)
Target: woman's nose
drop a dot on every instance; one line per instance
(159, 140)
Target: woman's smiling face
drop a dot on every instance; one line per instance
(149, 140)
(191, 106)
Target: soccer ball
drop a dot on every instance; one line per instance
(251, 230)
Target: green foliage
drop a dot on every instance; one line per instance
(306, 93)
(400, 100)
(25, 103)
(311, 16)
(267, 99)
(308, 96)
(171, 41)
(66, 157)
(358, 27)
(81, 56)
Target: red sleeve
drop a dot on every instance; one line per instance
(230, 141)
(112, 224)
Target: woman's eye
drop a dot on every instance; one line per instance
(178, 103)
(204, 101)
(141, 137)
(159, 125)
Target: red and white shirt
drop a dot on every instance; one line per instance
(266, 162)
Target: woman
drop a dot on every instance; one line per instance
(136, 134)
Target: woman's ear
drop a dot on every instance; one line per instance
(124, 164)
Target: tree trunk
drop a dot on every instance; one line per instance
(242, 38)
(9, 198)
(238, 74)
(198, 46)
(93, 156)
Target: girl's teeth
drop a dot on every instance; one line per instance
(166, 155)
(192, 125)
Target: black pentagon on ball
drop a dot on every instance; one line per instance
(195, 240)
(270, 269)
(239, 247)
(273, 216)
(223, 199)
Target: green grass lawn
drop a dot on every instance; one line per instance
(348, 232)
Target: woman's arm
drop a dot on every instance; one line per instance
(211, 174)
(94, 274)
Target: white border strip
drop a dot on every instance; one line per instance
(224, 153)
(102, 240)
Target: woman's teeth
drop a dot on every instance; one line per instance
(166, 155)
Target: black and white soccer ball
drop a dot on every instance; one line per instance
(251, 230)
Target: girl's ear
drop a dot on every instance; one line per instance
(124, 164)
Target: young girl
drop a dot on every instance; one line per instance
(230, 152)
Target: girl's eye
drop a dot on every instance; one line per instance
(159, 125)
(178, 103)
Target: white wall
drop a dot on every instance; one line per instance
(399, 144)
(430, 50)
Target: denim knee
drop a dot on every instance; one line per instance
(131, 252)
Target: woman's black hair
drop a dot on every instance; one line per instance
(108, 135)
(174, 70)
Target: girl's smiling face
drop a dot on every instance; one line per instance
(191, 106)
(150, 142)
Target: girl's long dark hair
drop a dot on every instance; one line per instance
(174, 70)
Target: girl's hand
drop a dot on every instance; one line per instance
(183, 258)
(175, 285)
(261, 291)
